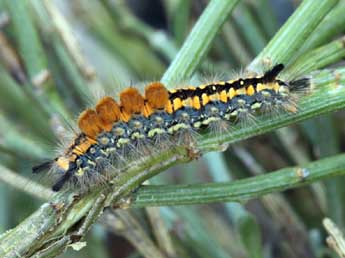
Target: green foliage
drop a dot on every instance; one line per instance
(55, 53)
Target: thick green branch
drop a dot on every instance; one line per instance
(240, 190)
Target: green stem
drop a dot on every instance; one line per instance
(318, 58)
(332, 25)
(27, 36)
(293, 33)
(252, 35)
(240, 190)
(242, 219)
(199, 40)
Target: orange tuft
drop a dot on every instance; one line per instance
(82, 147)
(147, 110)
(108, 111)
(131, 101)
(89, 123)
(169, 107)
(156, 95)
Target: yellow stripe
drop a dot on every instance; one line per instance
(276, 87)
(232, 93)
(241, 91)
(196, 102)
(250, 90)
(205, 99)
(214, 97)
(187, 102)
(223, 96)
(177, 103)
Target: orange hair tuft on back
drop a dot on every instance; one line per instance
(108, 111)
(156, 95)
(131, 101)
(90, 123)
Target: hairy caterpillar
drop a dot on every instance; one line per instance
(109, 130)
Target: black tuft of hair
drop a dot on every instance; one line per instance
(271, 75)
(64, 178)
(42, 167)
(299, 84)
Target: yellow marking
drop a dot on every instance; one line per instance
(91, 162)
(241, 91)
(260, 87)
(241, 82)
(111, 150)
(63, 163)
(266, 94)
(197, 124)
(232, 81)
(137, 135)
(220, 83)
(172, 91)
(256, 105)
(83, 146)
(241, 102)
(187, 102)
(121, 142)
(214, 97)
(276, 87)
(168, 107)
(210, 120)
(104, 140)
(80, 172)
(266, 86)
(191, 88)
(177, 127)
(205, 99)
(232, 93)
(77, 151)
(196, 102)
(223, 96)
(233, 113)
(250, 90)
(177, 103)
(202, 86)
(118, 131)
(155, 131)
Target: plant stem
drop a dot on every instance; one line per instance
(318, 58)
(27, 36)
(199, 40)
(240, 190)
(293, 33)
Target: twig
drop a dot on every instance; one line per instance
(240, 190)
(335, 240)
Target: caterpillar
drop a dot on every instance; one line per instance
(110, 129)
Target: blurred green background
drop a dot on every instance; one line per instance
(55, 56)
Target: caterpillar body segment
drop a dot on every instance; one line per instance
(111, 129)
